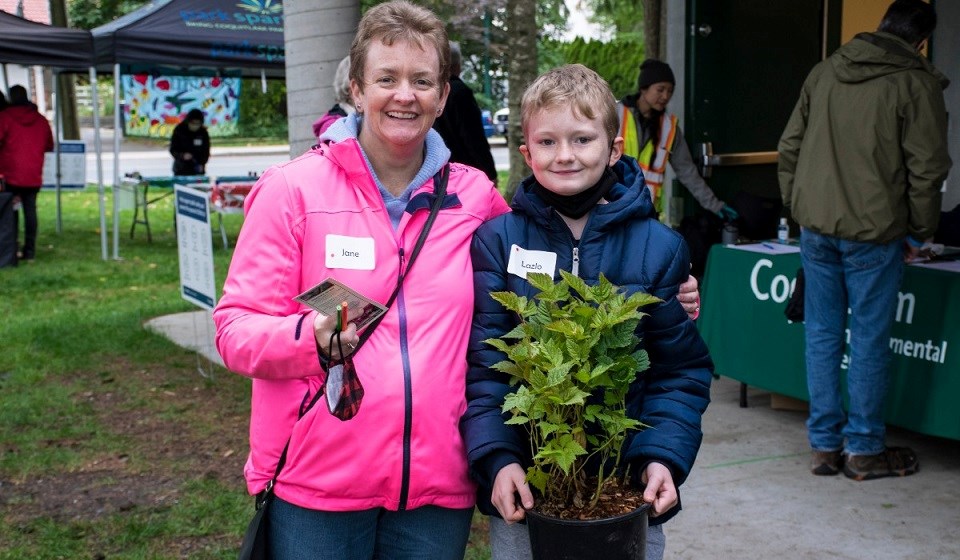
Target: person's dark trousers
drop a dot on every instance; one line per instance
(28, 198)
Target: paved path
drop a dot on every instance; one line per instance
(751, 496)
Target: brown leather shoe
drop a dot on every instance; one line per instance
(893, 461)
(826, 463)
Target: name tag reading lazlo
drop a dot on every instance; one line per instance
(523, 262)
(353, 253)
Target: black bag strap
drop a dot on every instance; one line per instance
(440, 192)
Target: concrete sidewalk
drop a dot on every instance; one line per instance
(751, 495)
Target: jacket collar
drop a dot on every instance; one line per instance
(629, 199)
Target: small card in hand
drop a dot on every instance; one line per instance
(327, 295)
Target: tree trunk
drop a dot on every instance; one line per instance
(522, 70)
(317, 35)
(67, 102)
(652, 13)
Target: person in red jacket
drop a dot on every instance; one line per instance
(25, 136)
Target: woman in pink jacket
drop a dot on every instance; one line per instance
(390, 482)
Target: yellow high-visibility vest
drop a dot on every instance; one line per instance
(652, 162)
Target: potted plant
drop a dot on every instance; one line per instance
(573, 357)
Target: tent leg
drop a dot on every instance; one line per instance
(116, 160)
(97, 146)
(57, 124)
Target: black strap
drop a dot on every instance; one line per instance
(439, 191)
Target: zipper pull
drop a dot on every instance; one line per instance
(400, 254)
(575, 268)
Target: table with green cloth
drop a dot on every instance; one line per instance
(745, 290)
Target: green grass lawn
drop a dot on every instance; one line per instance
(115, 443)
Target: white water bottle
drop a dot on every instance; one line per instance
(783, 231)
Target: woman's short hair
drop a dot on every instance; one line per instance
(399, 20)
(587, 94)
(195, 115)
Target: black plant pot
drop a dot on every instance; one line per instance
(615, 538)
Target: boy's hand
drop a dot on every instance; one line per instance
(511, 480)
(689, 297)
(660, 490)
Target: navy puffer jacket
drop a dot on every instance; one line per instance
(623, 240)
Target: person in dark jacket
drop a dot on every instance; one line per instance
(190, 145)
(586, 206)
(862, 161)
(25, 137)
(461, 124)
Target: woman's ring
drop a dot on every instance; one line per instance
(352, 346)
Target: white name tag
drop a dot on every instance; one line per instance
(354, 253)
(198, 142)
(523, 262)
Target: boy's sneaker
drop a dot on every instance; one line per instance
(826, 463)
(893, 461)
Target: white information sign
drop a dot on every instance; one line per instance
(73, 167)
(195, 247)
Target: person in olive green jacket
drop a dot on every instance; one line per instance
(862, 162)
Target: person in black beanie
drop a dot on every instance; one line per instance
(653, 137)
(190, 145)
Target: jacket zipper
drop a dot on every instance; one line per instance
(407, 394)
(575, 267)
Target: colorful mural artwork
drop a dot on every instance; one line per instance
(156, 104)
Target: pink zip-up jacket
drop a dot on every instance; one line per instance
(403, 449)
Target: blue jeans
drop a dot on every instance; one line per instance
(864, 277)
(425, 532)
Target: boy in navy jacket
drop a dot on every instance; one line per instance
(585, 210)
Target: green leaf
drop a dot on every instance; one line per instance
(510, 300)
(540, 281)
(538, 479)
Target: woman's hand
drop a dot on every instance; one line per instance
(660, 491)
(323, 327)
(689, 297)
(511, 480)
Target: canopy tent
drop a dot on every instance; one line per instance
(29, 43)
(191, 36)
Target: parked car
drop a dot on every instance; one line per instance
(500, 121)
(488, 128)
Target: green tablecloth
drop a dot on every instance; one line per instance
(750, 339)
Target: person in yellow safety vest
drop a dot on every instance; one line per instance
(651, 135)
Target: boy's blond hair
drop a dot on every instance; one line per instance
(575, 85)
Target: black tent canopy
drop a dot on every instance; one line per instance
(30, 43)
(190, 37)
(196, 35)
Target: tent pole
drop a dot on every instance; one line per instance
(97, 146)
(56, 145)
(116, 160)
